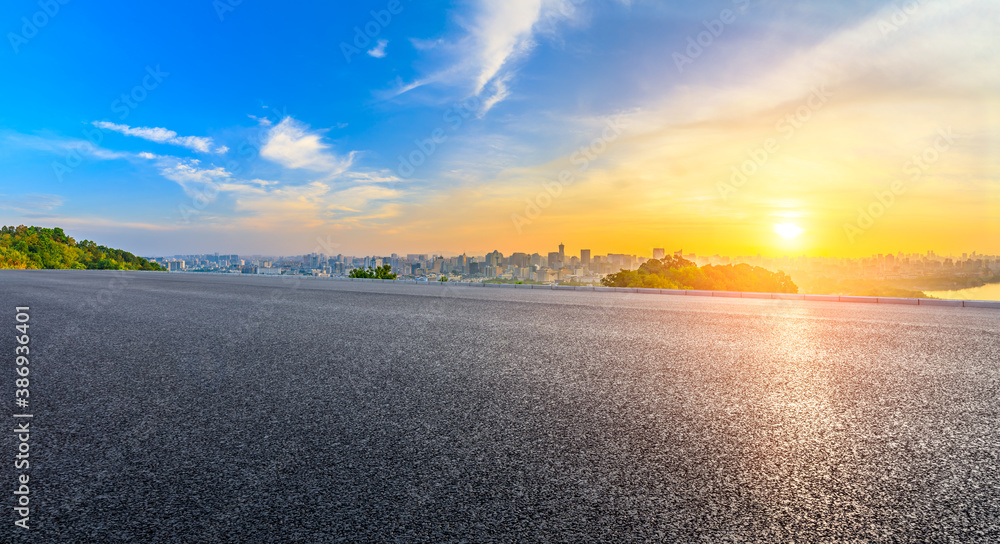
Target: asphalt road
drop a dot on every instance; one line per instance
(186, 408)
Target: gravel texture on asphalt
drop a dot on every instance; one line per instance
(187, 408)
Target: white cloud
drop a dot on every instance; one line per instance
(500, 92)
(379, 50)
(503, 32)
(275, 202)
(165, 136)
(383, 176)
(263, 121)
(192, 177)
(290, 143)
(499, 34)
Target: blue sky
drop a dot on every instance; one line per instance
(261, 128)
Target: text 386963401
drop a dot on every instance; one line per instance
(22, 429)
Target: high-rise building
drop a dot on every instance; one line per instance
(562, 253)
(585, 257)
(520, 260)
(494, 259)
(555, 261)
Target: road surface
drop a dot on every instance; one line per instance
(200, 408)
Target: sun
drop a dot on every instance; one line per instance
(787, 230)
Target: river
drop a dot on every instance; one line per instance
(990, 291)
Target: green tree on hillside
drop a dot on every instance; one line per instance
(37, 247)
(678, 273)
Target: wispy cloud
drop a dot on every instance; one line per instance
(293, 205)
(28, 203)
(503, 32)
(292, 144)
(500, 92)
(196, 180)
(425, 45)
(98, 222)
(314, 204)
(164, 136)
(383, 176)
(484, 61)
(63, 146)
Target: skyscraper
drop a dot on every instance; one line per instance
(494, 259)
(585, 258)
(562, 253)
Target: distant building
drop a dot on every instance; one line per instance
(555, 260)
(659, 253)
(545, 276)
(494, 259)
(520, 260)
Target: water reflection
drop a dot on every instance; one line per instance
(986, 292)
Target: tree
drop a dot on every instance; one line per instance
(383, 272)
(37, 247)
(11, 258)
(679, 273)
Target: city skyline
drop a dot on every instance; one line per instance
(651, 254)
(734, 126)
(911, 275)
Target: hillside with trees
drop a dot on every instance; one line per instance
(37, 247)
(674, 272)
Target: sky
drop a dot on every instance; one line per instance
(733, 126)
